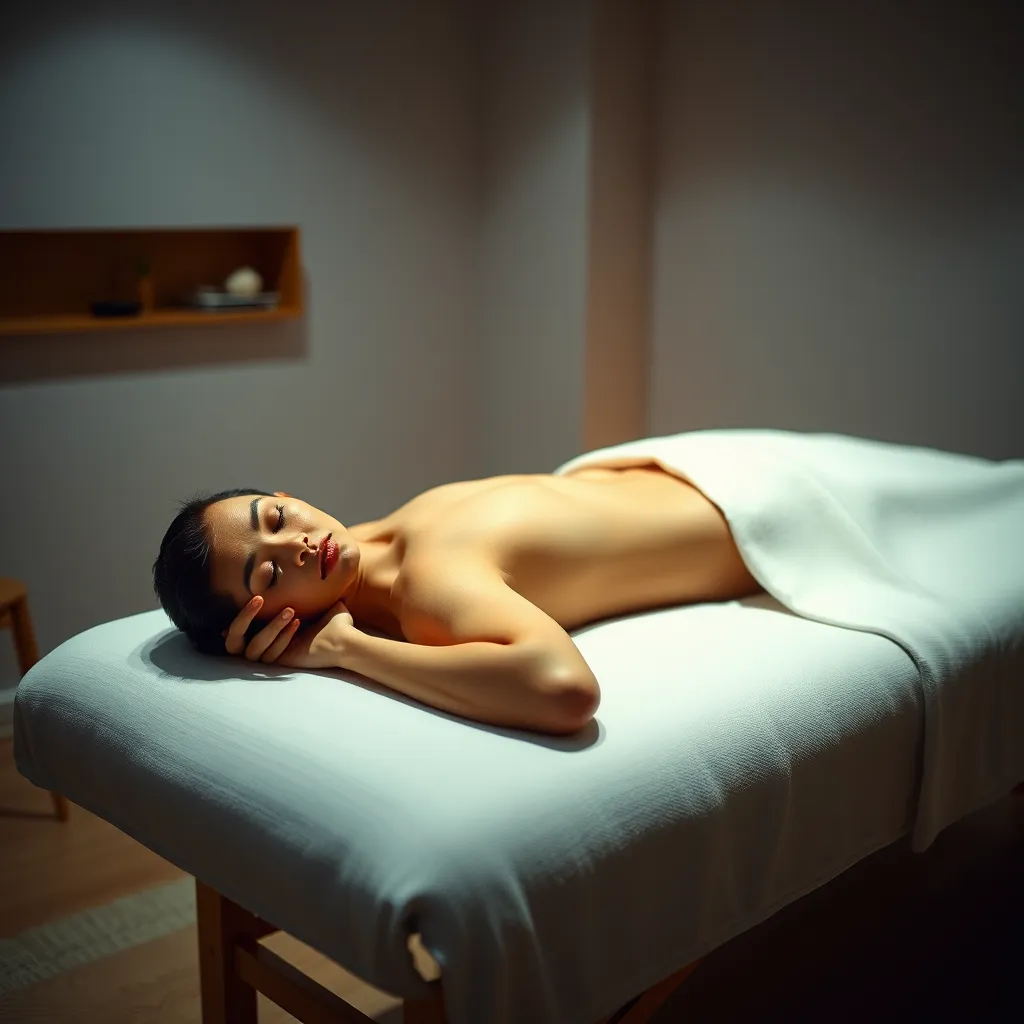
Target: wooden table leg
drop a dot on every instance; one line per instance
(60, 806)
(226, 999)
(640, 1009)
(425, 1011)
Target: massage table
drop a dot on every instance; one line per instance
(744, 754)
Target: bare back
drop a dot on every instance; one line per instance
(582, 547)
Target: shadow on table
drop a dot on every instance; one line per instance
(171, 654)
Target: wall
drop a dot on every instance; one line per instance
(535, 136)
(839, 233)
(564, 258)
(620, 200)
(353, 121)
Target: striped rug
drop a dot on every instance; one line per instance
(41, 952)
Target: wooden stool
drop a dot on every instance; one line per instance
(14, 615)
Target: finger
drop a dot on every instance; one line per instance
(267, 635)
(259, 643)
(280, 645)
(234, 639)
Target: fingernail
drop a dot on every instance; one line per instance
(256, 601)
(287, 614)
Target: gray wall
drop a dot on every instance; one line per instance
(353, 121)
(840, 221)
(562, 290)
(532, 271)
(620, 201)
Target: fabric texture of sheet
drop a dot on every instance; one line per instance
(742, 756)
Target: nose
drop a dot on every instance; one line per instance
(297, 549)
(306, 550)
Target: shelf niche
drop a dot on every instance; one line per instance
(50, 279)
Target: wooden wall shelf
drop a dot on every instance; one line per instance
(49, 279)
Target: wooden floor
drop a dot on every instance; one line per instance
(50, 870)
(899, 937)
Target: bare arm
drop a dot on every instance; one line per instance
(500, 684)
(476, 649)
(480, 650)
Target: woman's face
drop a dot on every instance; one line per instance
(290, 553)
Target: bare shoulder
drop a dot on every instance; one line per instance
(430, 510)
(435, 585)
(452, 597)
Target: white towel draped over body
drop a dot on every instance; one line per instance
(923, 547)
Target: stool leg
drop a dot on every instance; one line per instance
(24, 635)
(28, 655)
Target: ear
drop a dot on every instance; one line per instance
(281, 494)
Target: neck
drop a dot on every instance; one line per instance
(369, 599)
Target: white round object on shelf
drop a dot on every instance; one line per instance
(244, 282)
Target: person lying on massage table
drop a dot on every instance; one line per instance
(473, 584)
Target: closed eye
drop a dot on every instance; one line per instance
(275, 569)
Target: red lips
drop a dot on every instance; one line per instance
(328, 555)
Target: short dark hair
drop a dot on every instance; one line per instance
(181, 575)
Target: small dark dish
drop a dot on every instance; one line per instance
(116, 308)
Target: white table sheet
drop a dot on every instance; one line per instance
(741, 757)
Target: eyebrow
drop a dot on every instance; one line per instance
(254, 521)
